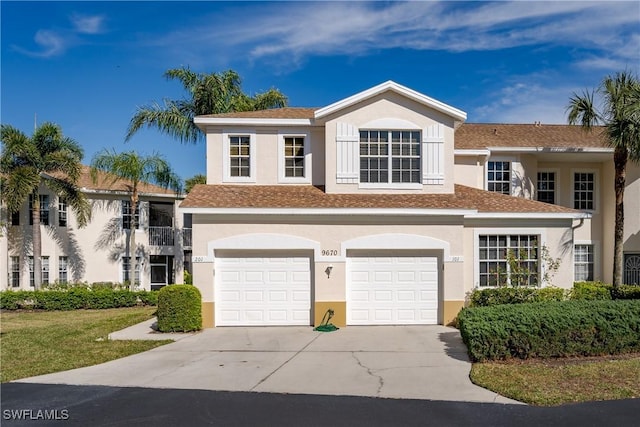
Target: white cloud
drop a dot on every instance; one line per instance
(293, 31)
(56, 42)
(88, 24)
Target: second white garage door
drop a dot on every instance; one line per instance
(262, 291)
(392, 290)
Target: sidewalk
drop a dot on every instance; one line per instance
(147, 331)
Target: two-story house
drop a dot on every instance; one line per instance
(386, 209)
(99, 251)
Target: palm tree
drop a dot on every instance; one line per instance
(193, 181)
(47, 158)
(619, 113)
(208, 94)
(134, 170)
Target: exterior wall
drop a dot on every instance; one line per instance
(94, 252)
(393, 106)
(266, 154)
(632, 209)
(458, 260)
(469, 171)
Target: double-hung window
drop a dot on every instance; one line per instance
(62, 212)
(240, 156)
(44, 279)
(127, 215)
(125, 269)
(15, 271)
(499, 177)
(389, 156)
(583, 262)
(508, 259)
(294, 157)
(63, 267)
(546, 190)
(584, 188)
(44, 209)
(32, 277)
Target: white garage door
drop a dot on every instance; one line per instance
(392, 290)
(263, 291)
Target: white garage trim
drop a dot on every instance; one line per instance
(266, 241)
(396, 241)
(392, 290)
(263, 289)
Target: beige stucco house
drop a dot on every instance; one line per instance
(99, 251)
(386, 208)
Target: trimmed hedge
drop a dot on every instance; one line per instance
(590, 291)
(179, 309)
(551, 329)
(514, 295)
(75, 299)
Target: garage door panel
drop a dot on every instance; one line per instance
(263, 291)
(402, 290)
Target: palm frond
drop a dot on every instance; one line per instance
(75, 198)
(168, 119)
(581, 110)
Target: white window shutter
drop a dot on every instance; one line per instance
(433, 155)
(347, 154)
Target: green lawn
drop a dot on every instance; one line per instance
(559, 381)
(36, 343)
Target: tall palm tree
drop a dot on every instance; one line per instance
(619, 113)
(189, 183)
(134, 170)
(48, 158)
(207, 94)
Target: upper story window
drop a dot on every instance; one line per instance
(584, 187)
(294, 157)
(62, 212)
(44, 209)
(239, 156)
(15, 218)
(546, 191)
(127, 216)
(499, 177)
(390, 156)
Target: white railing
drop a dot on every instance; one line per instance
(161, 236)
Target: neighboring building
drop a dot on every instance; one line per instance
(385, 208)
(97, 252)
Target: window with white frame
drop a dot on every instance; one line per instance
(546, 190)
(44, 209)
(508, 259)
(32, 278)
(499, 177)
(44, 279)
(63, 266)
(240, 156)
(294, 157)
(125, 270)
(127, 217)
(584, 188)
(62, 212)
(15, 271)
(389, 156)
(583, 263)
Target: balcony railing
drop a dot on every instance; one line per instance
(186, 237)
(161, 236)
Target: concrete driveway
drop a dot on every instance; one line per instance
(416, 362)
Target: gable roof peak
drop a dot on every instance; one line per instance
(458, 115)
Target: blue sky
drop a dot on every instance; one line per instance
(88, 65)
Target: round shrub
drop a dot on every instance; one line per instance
(179, 309)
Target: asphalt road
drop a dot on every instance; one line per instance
(118, 406)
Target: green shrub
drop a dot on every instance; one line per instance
(75, 298)
(625, 292)
(514, 295)
(551, 329)
(188, 278)
(590, 291)
(179, 309)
